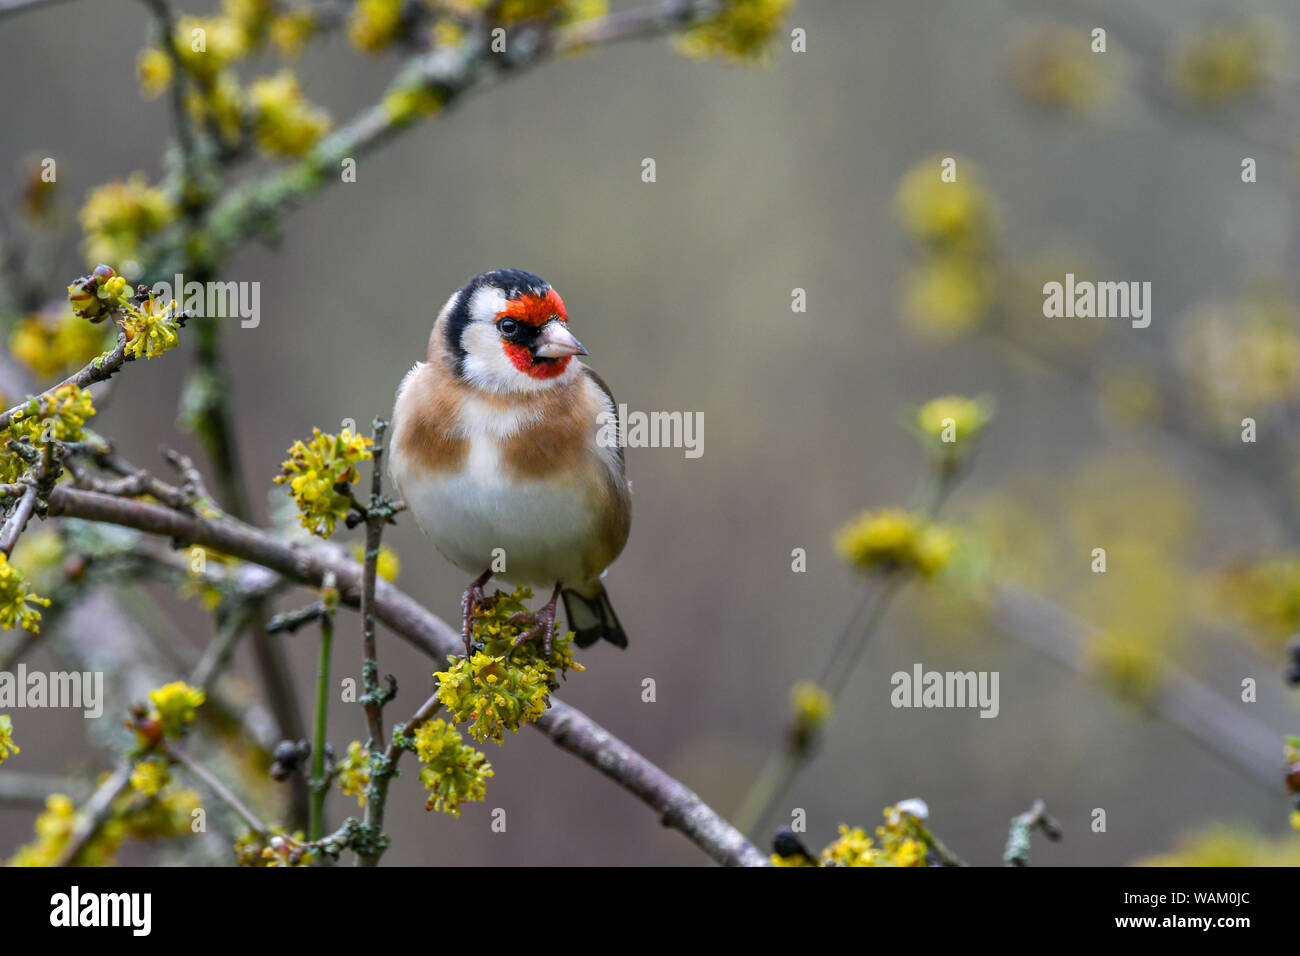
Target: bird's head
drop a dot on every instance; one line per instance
(507, 331)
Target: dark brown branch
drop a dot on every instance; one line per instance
(567, 727)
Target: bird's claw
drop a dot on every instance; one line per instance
(543, 627)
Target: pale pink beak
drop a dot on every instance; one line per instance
(556, 341)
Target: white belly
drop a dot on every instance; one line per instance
(543, 529)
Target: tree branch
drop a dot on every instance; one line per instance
(567, 727)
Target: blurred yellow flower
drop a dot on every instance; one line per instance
(118, 216)
(1228, 846)
(1054, 66)
(1133, 668)
(947, 296)
(388, 565)
(741, 31)
(284, 122)
(1228, 62)
(18, 603)
(291, 30)
(892, 539)
(54, 344)
(374, 24)
(957, 215)
(7, 746)
(153, 68)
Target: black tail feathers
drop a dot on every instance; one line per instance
(591, 618)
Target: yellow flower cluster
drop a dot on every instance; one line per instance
(149, 776)
(451, 770)
(219, 105)
(354, 772)
(891, 539)
(1054, 66)
(902, 843)
(153, 70)
(291, 30)
(166, 815)
(1222, 846)
(1131, 667)
(52, 345)
(741, 31)
(954, 223)
(207, 45)
(1265, 596)
(811, 709)
(18, 603)
(175, 707)
(496, 690)
(7, 746)
(118, 216)
(406, 102)
(1243, 356)
(388, 565)
(375, 24)
(59, 414)
(1227, 63)
(950, 425)
(314, 471)
(151, 328)
(283, 121)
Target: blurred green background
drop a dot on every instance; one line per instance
(769, 178)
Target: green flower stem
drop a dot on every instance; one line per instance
(319, 783)
(783, 765)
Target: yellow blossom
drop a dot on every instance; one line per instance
(7, 746)
(388, 565)
(354, 772)
(1226, 63)
(314, 471)
(209, 44)
(149, 776)
(741, 30)
(1054, 67)
(956, 215)
(1131, 666)
(496, 690)
(18, 603)
(375, 24)
(284, 122)
(151, 328)
(947, 296)
(453, 771)
(153, 68)
(291, 30)
(52, 345)
(118, 216)
(175, 706)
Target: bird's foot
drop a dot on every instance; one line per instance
(542, 625)
(472, 600)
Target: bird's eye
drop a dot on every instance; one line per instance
(508, 326)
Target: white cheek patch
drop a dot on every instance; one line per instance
(487, 366)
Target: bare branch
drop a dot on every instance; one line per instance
(567, 727)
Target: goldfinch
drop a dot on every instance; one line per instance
(496, 451)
